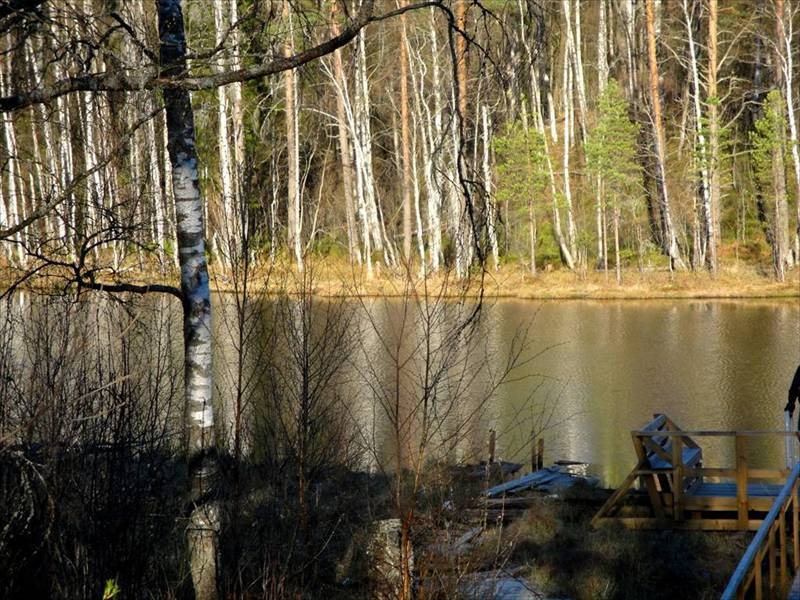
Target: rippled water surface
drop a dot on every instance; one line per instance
(709, 365)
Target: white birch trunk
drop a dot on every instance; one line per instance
(345, 130)
(13, 207)
(787, 36)
(240, 218)
(294, 217)
(227, 218)
(602, 48)
(204, 522)
(707, 239)
(568, 138)
(491, 230)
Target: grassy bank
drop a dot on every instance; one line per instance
(332, 278)
(329, 276)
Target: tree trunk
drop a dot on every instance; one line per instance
(491, 231)
(786, 34)
(713, 210)
(617, 265)
(705, 247)
(14, 212)
(293, 210)
(343, 119)
(668, 239)
(225, 221)
(602, 48)
(204, 521)
(405, 137)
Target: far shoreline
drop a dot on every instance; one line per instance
(512, 282)
(333, 278)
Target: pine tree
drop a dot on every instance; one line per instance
(521, 177)
(611, 156)
(768, 141)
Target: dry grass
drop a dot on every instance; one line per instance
(333, 277)
(565, 557)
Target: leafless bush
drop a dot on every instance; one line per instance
(89, 486)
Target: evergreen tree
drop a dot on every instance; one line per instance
(611, 157)
(768, 141)
(521, 178)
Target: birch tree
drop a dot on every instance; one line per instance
(294, 220)
(708, 243)
(669, 240)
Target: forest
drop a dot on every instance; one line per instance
(149, 142)
(563, 134)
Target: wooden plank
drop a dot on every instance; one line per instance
(689, 458)
(784, 564)
(647, 480)
(687, 525)
(729, 489)
(524, 482)
(795, 528)
(716, 433)
(741, 479)
(618, 494)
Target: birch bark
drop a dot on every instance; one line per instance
(293, 219)
(204, 522)
(707, 246)
(345, 151)
(405, 137)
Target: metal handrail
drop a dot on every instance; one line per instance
(747, 564)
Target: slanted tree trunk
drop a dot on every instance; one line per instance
(345, 149)
(204, 521)
(705, 247)
(669, 240)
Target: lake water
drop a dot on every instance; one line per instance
(591, 372)
(707, 364)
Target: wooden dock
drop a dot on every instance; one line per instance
(676, 490)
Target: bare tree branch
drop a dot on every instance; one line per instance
(150, 79)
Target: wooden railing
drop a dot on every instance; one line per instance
(684, 492)
(767, 550)
(686, 479)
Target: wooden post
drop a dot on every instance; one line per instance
(648, 481)
(759, 575)
(784, 573)
(795, 527)
(677, 477)
(741, 482)
(539, 454)
(492, 440)
(771, 541)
